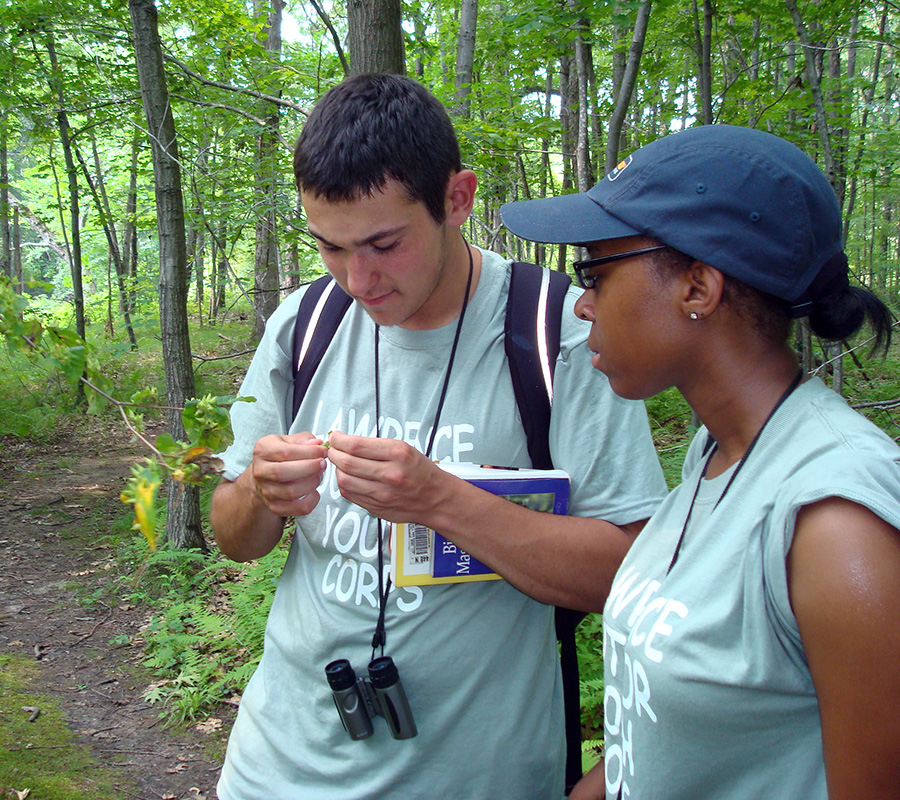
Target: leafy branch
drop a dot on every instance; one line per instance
(206, 420)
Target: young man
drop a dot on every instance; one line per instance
(415, 374)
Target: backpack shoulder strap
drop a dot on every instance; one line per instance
(320, 313)
(533, 318)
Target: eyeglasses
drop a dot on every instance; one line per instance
(590, 281)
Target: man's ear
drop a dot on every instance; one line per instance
(460, 196)
(701, 290)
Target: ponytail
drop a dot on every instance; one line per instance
(841, 313)
(837, 310)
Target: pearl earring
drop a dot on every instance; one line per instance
(695, 315)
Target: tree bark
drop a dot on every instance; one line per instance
(129, 234)
(265, 272)
(465, 56)
(5, 242)
(623, 97)
(375, 36)
(866, 105)
(582, 154)
(97, 189)
(65, 136)
(812, 78)
(703, 36)
(183, 526)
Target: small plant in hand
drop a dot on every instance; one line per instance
(206, 421)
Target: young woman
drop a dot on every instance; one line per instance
(752, 634)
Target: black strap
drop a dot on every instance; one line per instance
(534, 400)
(526, 339)
(326, 315)
(523, 350)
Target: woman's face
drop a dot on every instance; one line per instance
(632, 309)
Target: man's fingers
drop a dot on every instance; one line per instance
(296, 447)
(295, 507)
(366, 447)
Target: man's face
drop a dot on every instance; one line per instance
(386, 252)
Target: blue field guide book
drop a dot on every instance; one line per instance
(422, 557)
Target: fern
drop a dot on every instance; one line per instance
(207, 637)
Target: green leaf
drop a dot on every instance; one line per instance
(167, 445)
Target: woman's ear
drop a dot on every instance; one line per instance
(460, 196)
(701, 290)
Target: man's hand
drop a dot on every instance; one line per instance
(285, 473)
(247, 515)
(389, 478)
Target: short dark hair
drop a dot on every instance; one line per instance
(373, 128)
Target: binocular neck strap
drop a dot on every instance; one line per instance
(380, 636)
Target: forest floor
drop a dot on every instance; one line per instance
(59, 609)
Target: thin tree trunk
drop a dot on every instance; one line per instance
(183, 526)
(812, 79)
(623, 97)
(74, 207)
(16, 266)
(335, 37)
(129, 235)
(582, 156)
(5, 242)
(101, 201)
(703, 36)
(567, 99)
(864, 120)
(465, 56)
(265, 272)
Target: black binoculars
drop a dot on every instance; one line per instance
(359, 699)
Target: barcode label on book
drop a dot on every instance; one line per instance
(418, 540)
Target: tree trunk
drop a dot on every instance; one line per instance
(812, 78)
(623, 97)
(703, 36)
(582, 155)
(465, 56)
(265, 272)
(5, 242)
(219, 277)
(115, 251)
(74, 207)
(183, 526)
(866, 105)
(16, 266)
(129, 235)
(375, 36)
(101, 201)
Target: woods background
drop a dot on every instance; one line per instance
(147, 204)
(145, 153)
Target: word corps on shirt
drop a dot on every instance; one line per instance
(637, 621)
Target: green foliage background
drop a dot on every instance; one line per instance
(207, 632)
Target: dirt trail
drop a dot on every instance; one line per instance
(55, 503)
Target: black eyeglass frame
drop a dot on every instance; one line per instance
(590, 281)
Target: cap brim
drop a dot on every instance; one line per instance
(567, 219)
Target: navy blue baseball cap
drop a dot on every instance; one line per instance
(744, 201)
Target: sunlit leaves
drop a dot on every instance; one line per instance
(140, 491)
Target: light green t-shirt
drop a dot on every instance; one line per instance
(478, 661)
(708, 693)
